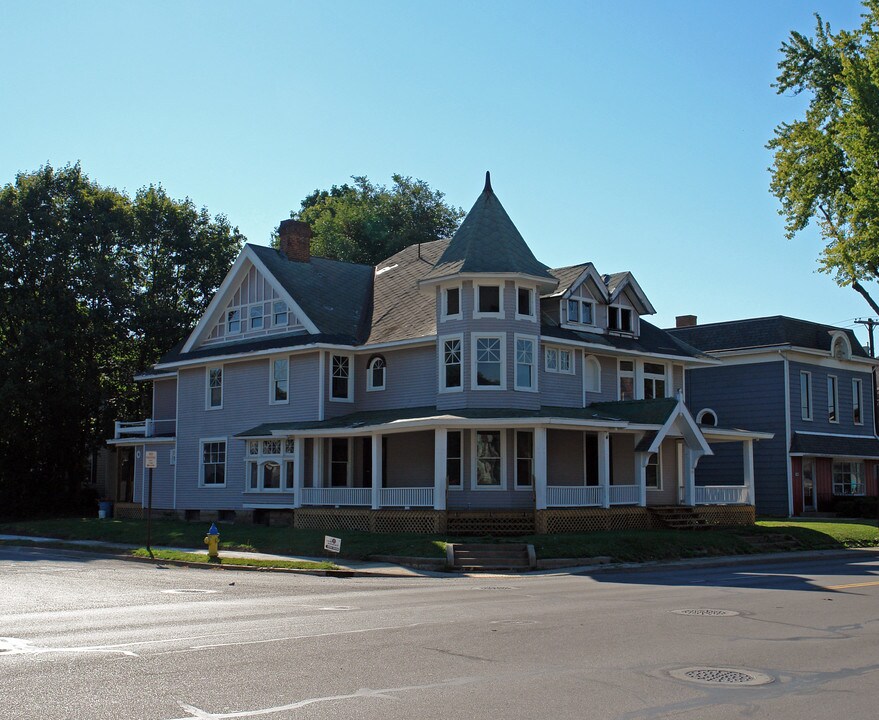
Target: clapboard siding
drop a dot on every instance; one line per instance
(164, 399)
(745, 396)
(410, 380)
(510, 498)
(820, 421)
(564, 457)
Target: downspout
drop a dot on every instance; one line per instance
(320, 385)
(787, 436)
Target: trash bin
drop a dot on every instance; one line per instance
(105, 509)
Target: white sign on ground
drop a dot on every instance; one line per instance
(332, 544)
(150, 459)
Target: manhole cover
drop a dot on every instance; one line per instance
(189, 591)
(721, 676)
(706, 612)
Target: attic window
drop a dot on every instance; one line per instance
(279, 314)
(233, 322)
(619, 318)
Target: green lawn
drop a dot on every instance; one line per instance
(620, 545)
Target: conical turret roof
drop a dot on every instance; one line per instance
(488, 242)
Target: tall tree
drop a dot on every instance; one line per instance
(93, 287)
(826, 165)
(365, 223)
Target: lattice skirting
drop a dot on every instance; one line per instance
(490, 522)
(130, 511)
(726, 514)
(576, 520)
(378, 521)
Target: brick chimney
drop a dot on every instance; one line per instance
(295, 240)
(682, 321)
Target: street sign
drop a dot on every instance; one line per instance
(150, 459)
(332, 544)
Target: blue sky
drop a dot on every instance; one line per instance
(630, 134)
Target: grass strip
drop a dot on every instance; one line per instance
(179, 556)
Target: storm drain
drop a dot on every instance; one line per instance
(721, 676)
(706, 612)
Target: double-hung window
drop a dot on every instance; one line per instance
(280, 387)
(214, 388)
(375, 373)
(558, 360)
(806, 395)
(213, 463)
(451, 308)
(233, 322)
(627, 379)
(340, 378)
(524, 459)
(489, 301)
(832, 399)
(279, 313)
(450, 363)
(488, 362)
(525, 303)
(526, 377)
(339, 462)
(256, 317)
(488, 455)
(857, 402)
(453, 459)
(654, 381)
(580, 311)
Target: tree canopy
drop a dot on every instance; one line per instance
(94, 287)
(365, 223)
(826, 165)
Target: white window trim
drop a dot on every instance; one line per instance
(272, 361)
(849, 461)
(444, 310)
(260, 459)
(350, 396)
(835, 398)
(586, 362)
(349, 464)
(658, 487)
(558, 368)
(441, 363)
(702, 413)
(858, 392)
(474, 337)
(645, 376)
(620, 376)
(460, 486)
(207, 387)
(473, 460)
(808, 377)
(533, 315)
(576, 323)
(476, 313)
(516, 485)
(369, 386)
(201, 443)
(535, 366)
(632, 316)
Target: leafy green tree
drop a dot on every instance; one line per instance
(93, 288)
(826, 165)
(365, 223)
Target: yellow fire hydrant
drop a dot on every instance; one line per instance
(212, 540)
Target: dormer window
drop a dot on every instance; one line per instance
(580, 312)
(619, 318)
(489, 301)
(451, 303)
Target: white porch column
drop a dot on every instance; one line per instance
(748, 453)
(317, 461)
(691, 459)
(298, 470)
(440, 447)
(604, 467)
(376, 471)
(540, 468)
(641, 459)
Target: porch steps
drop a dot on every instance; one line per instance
(772, 543)
(475, 557)
(679, 517)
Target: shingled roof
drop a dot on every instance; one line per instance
(755, 333)
(488, 242)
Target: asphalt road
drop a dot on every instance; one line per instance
(84, 638)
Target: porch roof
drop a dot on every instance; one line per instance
(609, 414)
(834, 446)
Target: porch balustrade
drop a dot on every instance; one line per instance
(722, 495)
(407, 497)
(337, 496)
(625, 494)
(573, 496)
(145, 428)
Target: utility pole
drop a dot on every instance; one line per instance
(870, 323)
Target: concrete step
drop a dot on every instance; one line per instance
(489, 556)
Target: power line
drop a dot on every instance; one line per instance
(870, 323)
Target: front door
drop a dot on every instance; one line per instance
(125, 475)
(808, 484)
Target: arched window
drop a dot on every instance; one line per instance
(840, 347)
(707, 417)
(592, 372)
(375, 373)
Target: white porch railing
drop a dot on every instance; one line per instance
(573, 496)
(145, 428)
(336, 496)
(625, 494)
(722, 495)
(407, 497)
